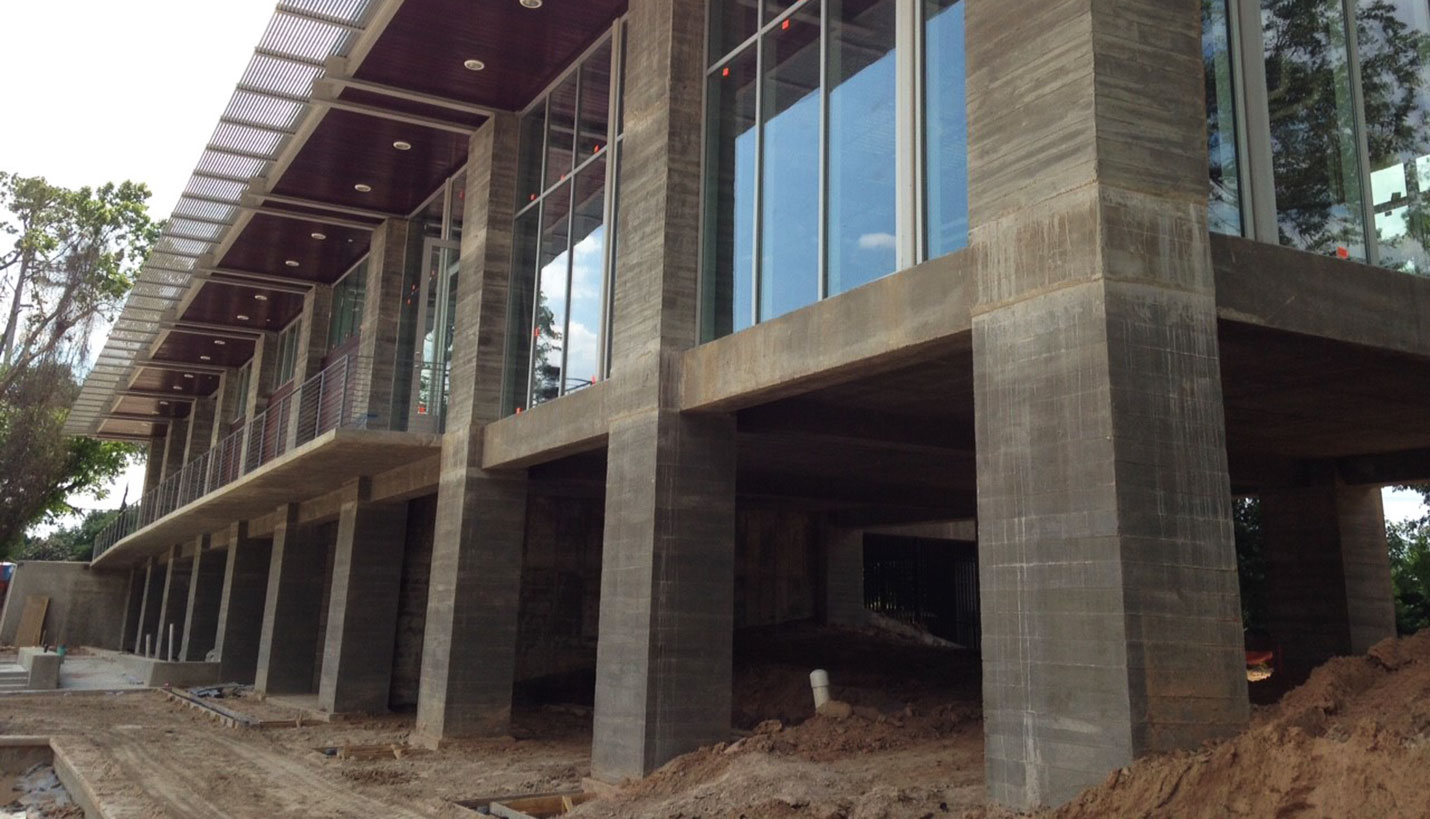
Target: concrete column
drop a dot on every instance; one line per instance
(288, 643)
(175, 446)
(844, 577)
(154, 464)
(362, 608)
(205, 596)
(149, 608)
(663, 666)
(175, 602)
(312, 346)
(663, 663)
(201, 428)
(240, 617)
(469, 645)
(1328, 571)
(134, 606)
(1110, 611)
(385, 347)
(227, 404)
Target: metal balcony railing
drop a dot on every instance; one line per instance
(328, 400)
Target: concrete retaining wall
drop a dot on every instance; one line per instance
(83, 603)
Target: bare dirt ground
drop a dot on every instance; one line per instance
(1354, 741)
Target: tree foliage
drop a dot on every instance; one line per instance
(1410, 569)
(68, 542)
(71, 258)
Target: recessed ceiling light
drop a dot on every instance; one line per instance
(241, 317)
(220, 342)
(188, 375)
(362, 187)
(178, 388)
(206, 358)
(163, 403)
(474, 65)
(259, 297)
(402, 145)
(531, 4)
(320, 236)
(292, 262)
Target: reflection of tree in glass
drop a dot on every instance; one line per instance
(546, 369)
(1393, 59)
(1307, 77)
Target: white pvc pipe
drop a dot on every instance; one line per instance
(819, 681)
(171, 642)
(148, 644)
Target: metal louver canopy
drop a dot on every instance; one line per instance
(269, 105)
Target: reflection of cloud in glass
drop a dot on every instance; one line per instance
(581, 356)
(590, 256)
(877, 241)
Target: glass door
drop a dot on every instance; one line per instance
(436, 324)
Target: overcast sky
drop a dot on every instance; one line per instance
(99, 90)
(93, 91)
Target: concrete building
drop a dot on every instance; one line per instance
(504, 340)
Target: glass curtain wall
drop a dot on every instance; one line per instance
(803, 138)
(1394, 51)
(562, 260)
(1343, 87)
(345, 318)
(1222, 156)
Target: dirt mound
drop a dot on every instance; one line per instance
(1354, 740)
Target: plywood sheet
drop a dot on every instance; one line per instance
(32, 621)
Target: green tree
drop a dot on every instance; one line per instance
(1409, 542)
(69, 542)
(71, 259)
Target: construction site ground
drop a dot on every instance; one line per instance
(1354, 741)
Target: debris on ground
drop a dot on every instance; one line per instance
(38, 794)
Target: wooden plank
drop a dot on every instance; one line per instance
(32, 621)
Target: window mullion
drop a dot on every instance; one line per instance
(822, 189)
(1261, 192)
(906, 139)
(759, 239)
(1372, 245)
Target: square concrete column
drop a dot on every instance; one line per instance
(240, 617)
(154, 464)
(262, 373)
(174, 604)
(201, 428)
(134, 606)
(469, 645)
(205, 597)
(362, 608)
(288, 643)
(844, 577)
(175, 446)
(227, 404)
(312, 345)
(1328, 571)
(153, 597)
(1110, 610)
(385, 348)
(663, 663)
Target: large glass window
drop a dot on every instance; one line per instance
(862, 220)
(345, 317)
(945, 128)
(562, 262)
(1224, 210)
(1394, 51)
(1315, 155)
(804, 141)
(288, 351)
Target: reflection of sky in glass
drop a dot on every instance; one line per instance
(1401, 186)
(862, 200)
(1224, 214)
(947, 122)
(744, 229)
(582, 339)
(789, 246)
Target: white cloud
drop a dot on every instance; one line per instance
(877, 241)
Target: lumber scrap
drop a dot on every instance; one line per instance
(32, 621)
